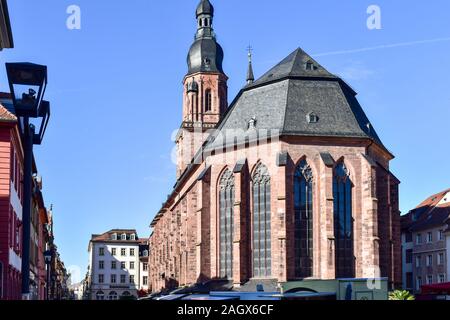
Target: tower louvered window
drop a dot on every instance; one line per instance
(208, 101)
(226, 199)
(262, 253)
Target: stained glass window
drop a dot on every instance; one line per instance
(262, 253)
(226, 199)
(303, 209)
(343, 222)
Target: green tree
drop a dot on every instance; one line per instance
(401, 295)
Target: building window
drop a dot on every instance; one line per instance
(132, 279)
(418, 261)
(113, 278)
(113, 251)
(132, 252)
(430, 279)
(113, 296)
(101, 278)
(113, 265)
(131, 265)
(208, 100)
(133, 237)
(100, 295)
(409, 256)
(418, 238)
(408, 237)
(101, 252)
(123, 278)
(114, 237)
(123, 265)
(145, 280)
(442, 278)
(409, 280)
(262, 241)
(343, 222)
(303, 209)
(441, 259)
(429, 261)
(418, 283)
(123, 252)
(226, 205)
(145, 253)
(145, 266)
(430, 237)
(441, 235)
(124, 236)
(101, 265)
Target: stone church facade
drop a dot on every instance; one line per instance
(288, 182)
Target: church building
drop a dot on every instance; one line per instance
(290, 181)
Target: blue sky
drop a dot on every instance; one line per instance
(116, 93)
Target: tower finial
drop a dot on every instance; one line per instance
(250, 75)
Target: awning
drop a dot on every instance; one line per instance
(440, 288)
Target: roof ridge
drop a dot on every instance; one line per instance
(296, 54)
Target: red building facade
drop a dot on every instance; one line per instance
(11, 164)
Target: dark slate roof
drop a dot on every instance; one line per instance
(294, 65)
(281, 104)
(205, 7)
(205, 55)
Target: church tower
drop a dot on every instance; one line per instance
(205, 88)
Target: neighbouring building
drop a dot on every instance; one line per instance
(114, 270)
(11, 214)
(426, 243)
(143, 267)
(294, 183)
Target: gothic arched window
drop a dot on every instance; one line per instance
(226, 211)
(343, 222)
(262, 253)
(208, 101)
(303, 209)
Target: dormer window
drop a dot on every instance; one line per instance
(133, 237)
(114, 236)
(312, 118)
(124, 236)
(309, 66)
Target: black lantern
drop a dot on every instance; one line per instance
(27, 82)
(44, 115)
(48, 257)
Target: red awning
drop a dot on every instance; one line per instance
(440, 288)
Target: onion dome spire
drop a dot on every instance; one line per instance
(205, 54)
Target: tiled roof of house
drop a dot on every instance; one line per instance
(6, 116)
(107, 236)
(432, 212)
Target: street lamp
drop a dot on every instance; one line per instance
(48, 256)
(27, 82)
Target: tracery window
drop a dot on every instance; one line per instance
(303, 210)
(262, 253)
(343, 222)
(226, 211)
